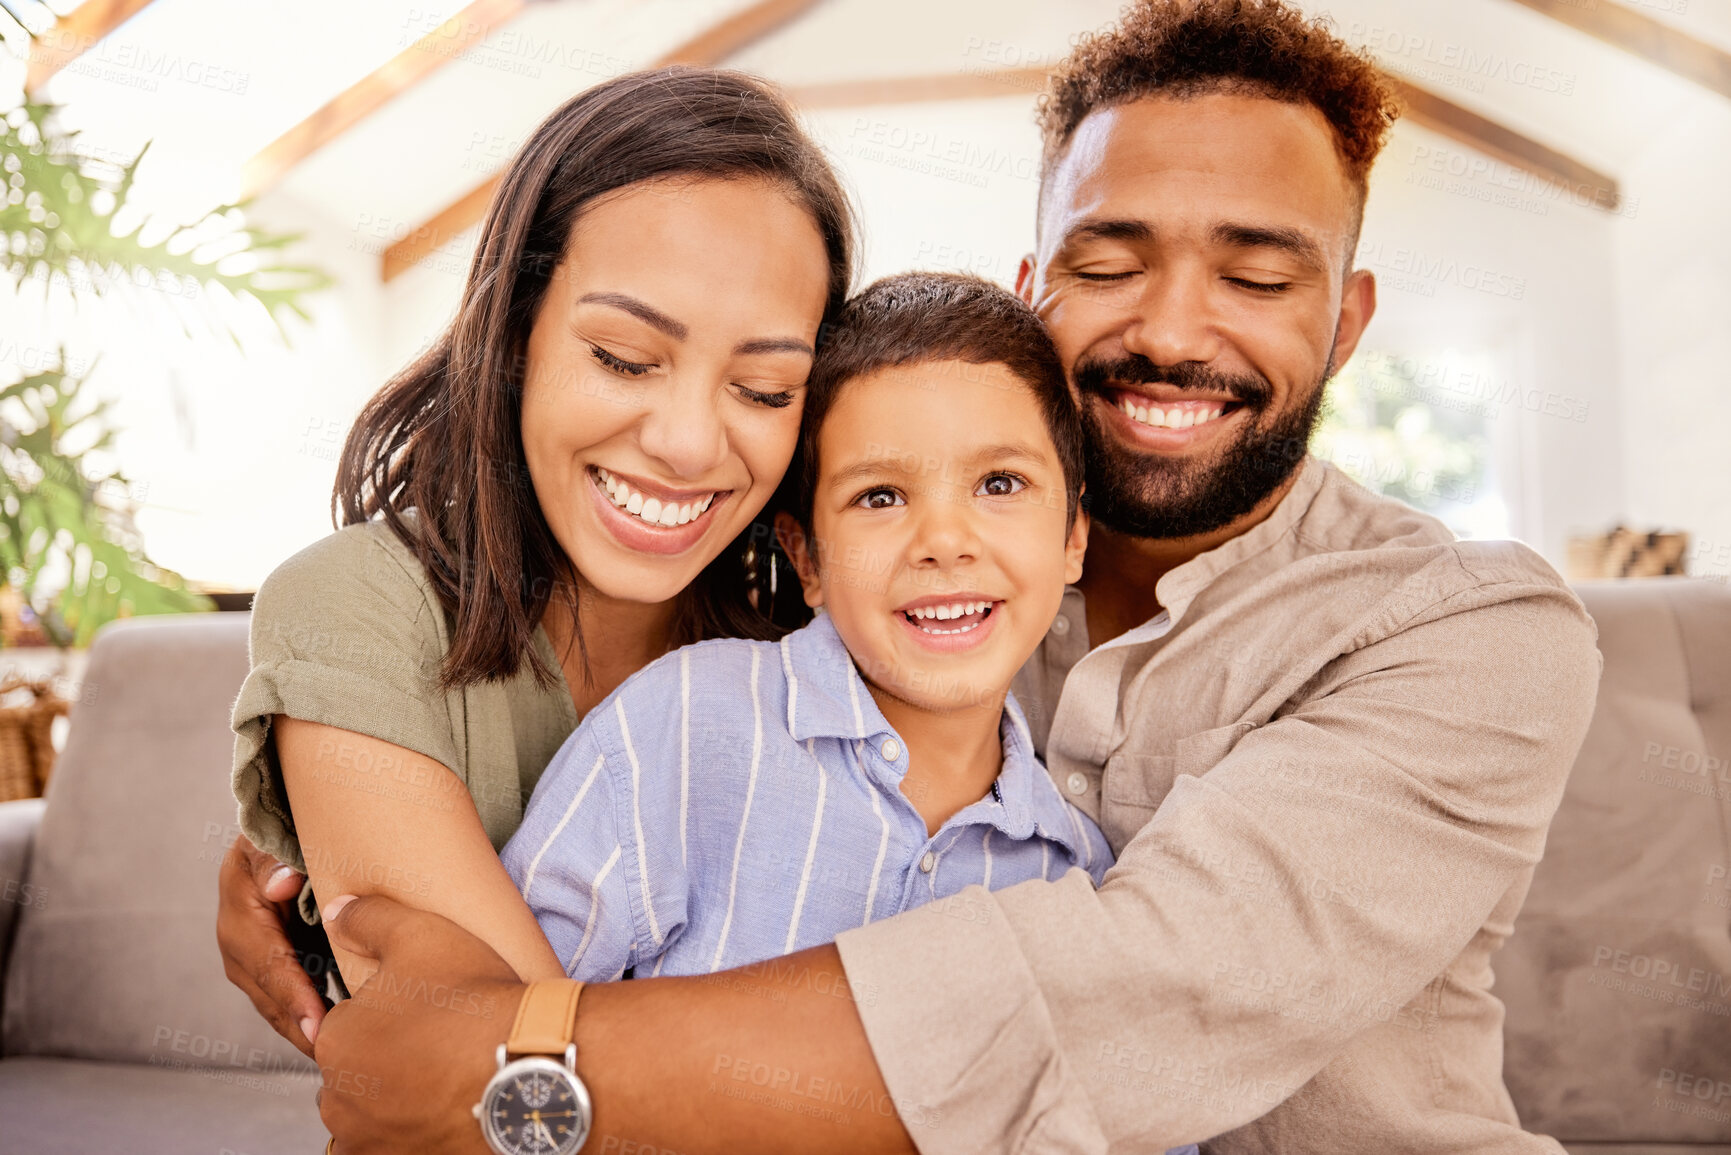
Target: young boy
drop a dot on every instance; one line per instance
(738, 800)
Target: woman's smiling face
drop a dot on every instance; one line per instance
(666, 375)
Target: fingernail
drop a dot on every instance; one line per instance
(335, 907)
(310, 1028)
(279, 874)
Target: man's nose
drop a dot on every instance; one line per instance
(1174, 319)
(683, 431)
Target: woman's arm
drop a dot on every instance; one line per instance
(374, 818)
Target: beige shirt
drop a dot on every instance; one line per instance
(349, 633)
(1328, 768)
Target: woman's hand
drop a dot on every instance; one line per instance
(255, 893)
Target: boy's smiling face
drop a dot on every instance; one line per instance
(939, 487)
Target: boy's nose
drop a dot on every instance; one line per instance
(945, 534)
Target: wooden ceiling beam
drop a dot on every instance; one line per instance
(1499, 142)
(921, 89)
(373, 91)
(1423, 107)
(1639, 34)
(73, 34)
(709, 47)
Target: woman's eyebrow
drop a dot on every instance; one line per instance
(642, 310)
(774, 345)
(678, 330)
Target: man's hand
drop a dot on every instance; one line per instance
(670, 1062)
(255, 893)
(406, 1058)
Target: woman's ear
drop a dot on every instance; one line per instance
(1077, 543)
(801, 551)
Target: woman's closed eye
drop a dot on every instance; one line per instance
(774, 398)
(617, 363)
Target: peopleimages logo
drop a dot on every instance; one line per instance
(1662, 971)
(1423, 271)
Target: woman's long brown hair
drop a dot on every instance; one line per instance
(443, 439)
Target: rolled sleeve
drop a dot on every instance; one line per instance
(343, 635)
(1415, 780)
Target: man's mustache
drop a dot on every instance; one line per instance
(1096, 377)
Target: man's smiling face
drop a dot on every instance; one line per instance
(1193, 273)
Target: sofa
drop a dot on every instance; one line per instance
(118, 1031)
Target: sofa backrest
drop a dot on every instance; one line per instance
(115, 957)
(1617, 981)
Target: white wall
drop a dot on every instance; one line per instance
(1478, 263)
(1673, 268)
(1596, 341)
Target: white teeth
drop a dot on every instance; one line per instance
(1174, 418)
(949, 613)
(652, 509)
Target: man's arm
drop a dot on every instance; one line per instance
(1071, 1018)
(769, 1058)
(1295, 889)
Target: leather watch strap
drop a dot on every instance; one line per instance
(546, 1018)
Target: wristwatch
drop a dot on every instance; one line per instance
(536, 1104)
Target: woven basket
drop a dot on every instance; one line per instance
(26, 737)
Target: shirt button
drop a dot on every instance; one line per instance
(1077, 782)
(927, 861)
(892, 749)
(1061, 625)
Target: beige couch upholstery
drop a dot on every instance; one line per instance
(1617, 981)
(118, 1031)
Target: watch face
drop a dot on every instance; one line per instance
(535, 1107)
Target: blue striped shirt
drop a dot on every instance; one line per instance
(737, 800)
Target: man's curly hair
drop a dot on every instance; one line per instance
(1258, 47)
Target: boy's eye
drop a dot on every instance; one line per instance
(1000, 485)
(879, 499)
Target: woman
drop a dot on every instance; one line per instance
(557, 493)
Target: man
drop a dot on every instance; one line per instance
(1325, 739)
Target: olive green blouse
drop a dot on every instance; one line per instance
(350, 634)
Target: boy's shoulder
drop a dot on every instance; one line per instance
(709, 681)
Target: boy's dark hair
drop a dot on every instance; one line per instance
(912, 318)
(1265, 48)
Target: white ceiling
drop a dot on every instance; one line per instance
(210, 82)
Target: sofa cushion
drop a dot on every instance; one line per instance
(119, 960)
(74, 1107)
(1617, 981)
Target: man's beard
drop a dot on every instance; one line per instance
(1145, 494)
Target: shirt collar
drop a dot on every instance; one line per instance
(1180, 586)
(1030, 800)
(827, 698)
